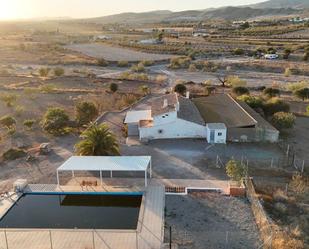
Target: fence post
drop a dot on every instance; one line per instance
(170, 237)
(93, 241)
(6, 240)
(227, 239)
(51, 240)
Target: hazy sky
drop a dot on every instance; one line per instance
(12, 9)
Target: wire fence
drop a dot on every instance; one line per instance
(261, 218)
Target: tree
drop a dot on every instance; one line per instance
(28, 123)
(240, 90)
(160, 36)
(180, 88)
(271, 92)
(98, 140)
(223, 80)
(55, 120)
(302, 93)
(113, 87)
(235, 170)
(238, 51)
(145, 89)
(85, 112)
(253, 102)
(58, 71)
(102, 62)
(286, 54)
(9, 99)
(8, 121)
(44, 71)
(283, 120)
(274, 105)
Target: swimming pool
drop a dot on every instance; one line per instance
(74, 210)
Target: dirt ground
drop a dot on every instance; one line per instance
(110, 53)
(210, 221)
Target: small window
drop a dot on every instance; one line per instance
(219, 134)
(160, 131)
(163, 116)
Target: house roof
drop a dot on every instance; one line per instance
(222, 108)
(189, 112)
(106, 163)
(158, 106)
(136, 116)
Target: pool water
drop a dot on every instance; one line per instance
(69, 211)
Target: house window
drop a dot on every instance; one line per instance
(219, 134)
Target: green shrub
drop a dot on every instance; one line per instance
(302, 93)
(44, 71)
(7, 121)
(85, 112)
(19, 110)
(54, 121)
(123, 64)
(147, 63)
(58, 71)
(274, 105)
(235, 170)
(283, 120)
(139, 68)
(238, 51)
(271, 92)
(47, 88)
(113, 87)
(28, 123)
(240, 90)
(9, 99)
(253, 102)
(102, 62)
(235, 81)
(180, 88)
(13, 154)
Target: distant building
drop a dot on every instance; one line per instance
(150, 41)
(102, 37)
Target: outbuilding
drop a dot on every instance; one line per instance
(133, 118)
(216, 133)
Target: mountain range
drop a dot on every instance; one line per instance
(269, 8)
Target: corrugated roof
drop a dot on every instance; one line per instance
(222, 108)
(158, 107)
(106, 163)
(136, 116)
(189, 112)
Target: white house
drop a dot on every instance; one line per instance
(172, 116)
(216, 133)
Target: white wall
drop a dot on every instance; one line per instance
(173, 128)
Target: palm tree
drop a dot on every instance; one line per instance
(97, 140)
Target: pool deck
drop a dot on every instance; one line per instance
(148, 235)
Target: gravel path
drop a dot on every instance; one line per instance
(211, 221)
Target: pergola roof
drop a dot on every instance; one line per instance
(106, 163)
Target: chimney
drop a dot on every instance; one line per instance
(188, 95)
(165, 103)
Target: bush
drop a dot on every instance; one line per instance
(180, 62)
(13, 154)
(296, 86)
(302, 93)
(113, 87)
(253, 102)
(8, 121)
(139, 68)
(147, 63)
(271, 92)
(55, 121)
(283, 120)
(44, 71)
(29, 123)
(161, 78)
(235, 81)
(274, 105)
(180, 88)
(19, 110)
(85, 112)
(235, 170)
(287, 72)
(102, 62)
(58, 71)
(240, 90)
(238, 51)
(9, 99)
(47, 88)
(123, 64)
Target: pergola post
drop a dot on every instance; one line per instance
(146, 178)
(73, 175)
(150, 169)
(57, 177)
(101, 178)
(111, 174)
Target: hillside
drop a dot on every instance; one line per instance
(227, 13)
(295, 4)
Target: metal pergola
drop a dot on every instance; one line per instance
(107, 164)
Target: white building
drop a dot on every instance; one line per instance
(171, 116)
(216, 133)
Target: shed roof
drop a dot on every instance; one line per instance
(136, 116)
(216, 126)
(106, 163)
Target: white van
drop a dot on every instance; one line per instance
(271, 56)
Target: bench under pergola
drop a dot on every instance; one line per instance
(107, 164)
